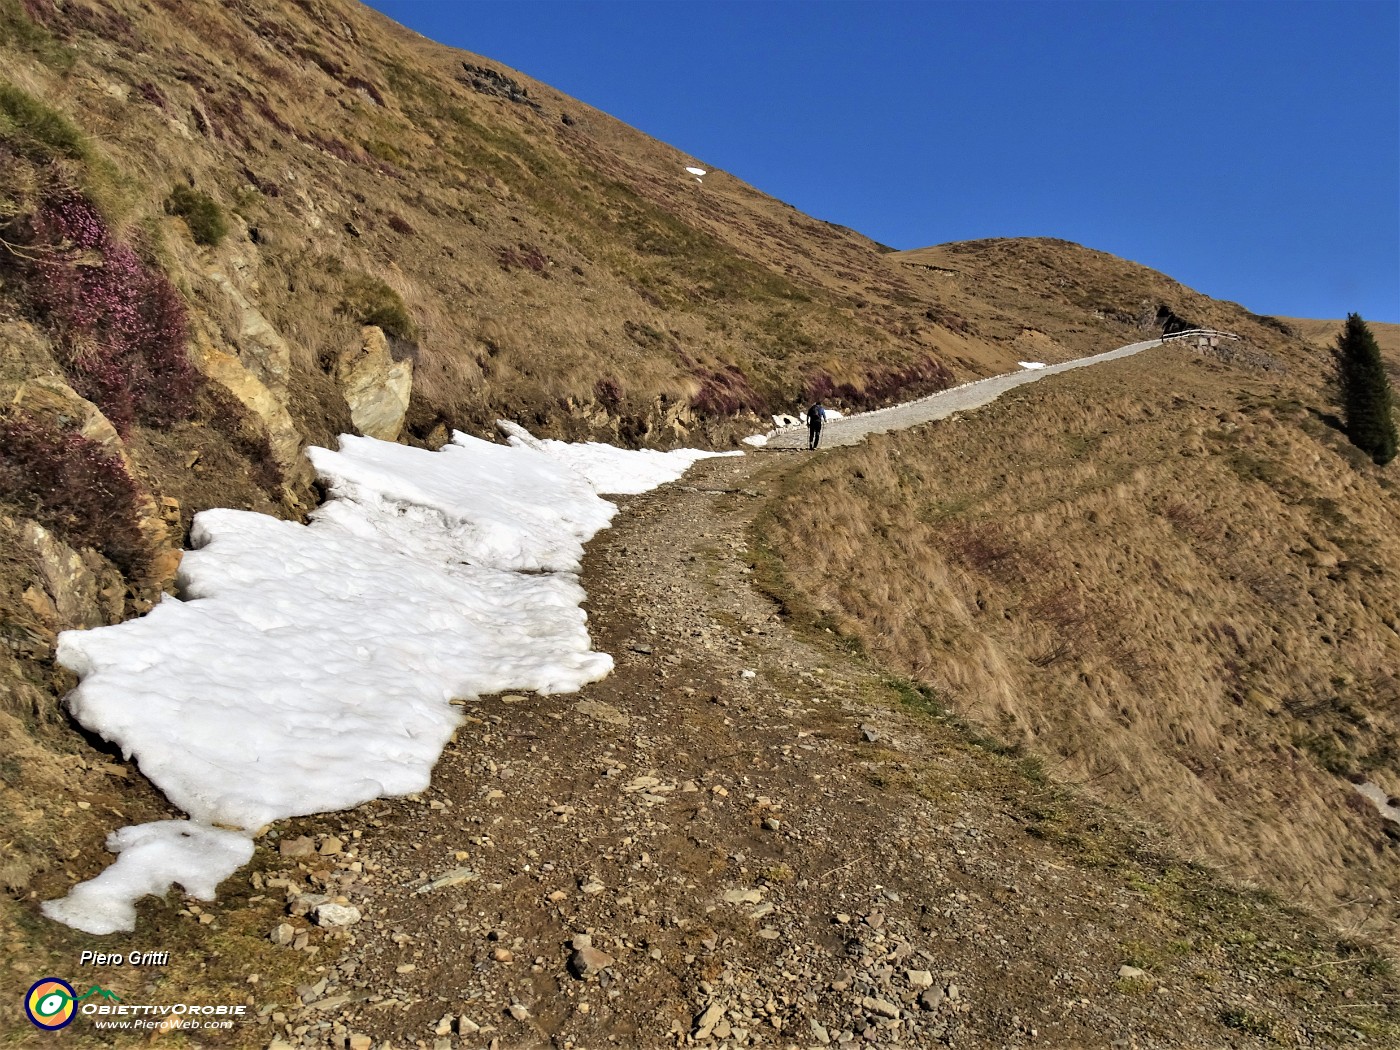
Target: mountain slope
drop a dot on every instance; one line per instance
(234, 229)
(1169, 578)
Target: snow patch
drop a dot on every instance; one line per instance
(756, 440)
(152, 857)
(697, 171)
(1031, 364)
(309, 668)
(1377, 796)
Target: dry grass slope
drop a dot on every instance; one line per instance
(1168, 578)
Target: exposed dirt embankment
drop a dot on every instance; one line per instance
(1168, 577)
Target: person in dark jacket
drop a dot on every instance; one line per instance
(816, 416)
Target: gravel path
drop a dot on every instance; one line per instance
(851, 430)
(738, 839)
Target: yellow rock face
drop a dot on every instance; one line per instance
(376, 387)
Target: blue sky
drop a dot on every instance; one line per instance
(1248, 149)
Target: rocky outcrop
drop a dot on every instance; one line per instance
(70, 589)
(376, 387)
(53, 401)
(261, 347)
(490, 82)
(246, 355)
(258, 398)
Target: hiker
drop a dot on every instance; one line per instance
(816, 415)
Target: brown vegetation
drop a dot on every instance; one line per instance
(1168, 578)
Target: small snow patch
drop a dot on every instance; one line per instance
(756, 440)
(1376, 795)
(1031, 364)
(697, 171)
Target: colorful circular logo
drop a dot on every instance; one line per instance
(50, 1004)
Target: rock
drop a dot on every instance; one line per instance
(258, 399)
(883, 1007)
(466, 1026)
(587, 961)
(819, 1032)
(336, 915)
(261, 347)
(375, 386)
(502, 955)
(1130, 973)
(519, 1011)
(52, 400)
(931, 999)
(360, 1041)
(283, 933)
(954, 992)
(305, 903)
(601, 712)
(581, 940)
(919, 978)
(72, 590)
(455, 877)
(302, 846)
(330, 846)
(706, 1021)
(743, 896)
(444, 1025)
(870, 733)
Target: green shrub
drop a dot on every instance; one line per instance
(39, 131)
(201, 213)
(370, 301)
(19, 29)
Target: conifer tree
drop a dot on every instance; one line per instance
(1366, 395)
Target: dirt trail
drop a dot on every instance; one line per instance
(739, 838)
(851, 430)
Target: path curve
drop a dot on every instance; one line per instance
(851, 430)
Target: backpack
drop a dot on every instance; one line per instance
(816, 416)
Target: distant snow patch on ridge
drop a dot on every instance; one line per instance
(309, 668)
(697, 171)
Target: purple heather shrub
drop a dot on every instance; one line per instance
(120, 327)
(72, 486)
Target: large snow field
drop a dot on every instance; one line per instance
(310, 668)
